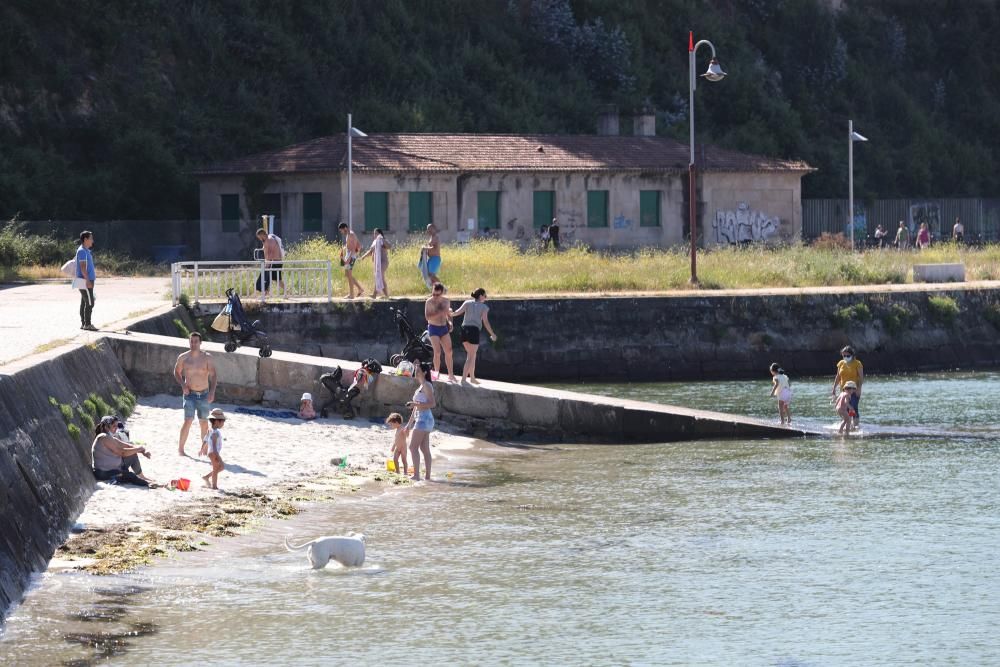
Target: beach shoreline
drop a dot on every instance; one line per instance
(274, 466)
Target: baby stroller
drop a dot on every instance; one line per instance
(340, 398)
(415, 348)
(233, 322)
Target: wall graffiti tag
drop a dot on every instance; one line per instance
(744, 225)
(621, 222)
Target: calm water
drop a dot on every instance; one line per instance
(871, 550)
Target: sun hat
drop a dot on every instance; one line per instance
(306, 397)
(217, 413)
(850, 385)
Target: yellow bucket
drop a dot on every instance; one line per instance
(390, 465)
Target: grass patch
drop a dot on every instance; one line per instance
(182, 329)
(943, 309)
(51, 345)
(859, 312)
(90, 407)
(66, 410)
(501, 267)
(125, 402)
(100, 405)
(73, 430)
(86, 419)
(897, 318)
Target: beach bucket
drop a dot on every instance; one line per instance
(183, 484)
(390, 465)
(343, 462)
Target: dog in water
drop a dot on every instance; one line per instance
(348, 550)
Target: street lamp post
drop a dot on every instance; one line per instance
(714, 73)
(351, 133)
(852, 136)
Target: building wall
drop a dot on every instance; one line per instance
(733, 207)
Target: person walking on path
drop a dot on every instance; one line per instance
(474, 312)
(421, 421)
(554, 233)
(433, 249)
(86, 275)
(274, 254)
(880, 235)
(902, 236)
(379, 252)
(850, 370)
(782, 389)
(437, 311)
(958, 231)
(348, 256)
(195, 373)
(923, 237)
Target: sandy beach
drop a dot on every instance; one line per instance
(266, 457)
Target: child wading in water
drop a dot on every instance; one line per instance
(844, 408)
(781, 387)
(217, 419)
(395, 422)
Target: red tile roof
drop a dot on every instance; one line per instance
(393, 152)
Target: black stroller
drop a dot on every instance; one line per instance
(233, 322)
(340, 396)
(415, 348)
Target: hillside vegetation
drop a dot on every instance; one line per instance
(105, 106)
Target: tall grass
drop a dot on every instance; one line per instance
(502, 268)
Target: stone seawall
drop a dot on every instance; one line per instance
(45, 475)
(685, 337)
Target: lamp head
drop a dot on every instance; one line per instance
(714, 71)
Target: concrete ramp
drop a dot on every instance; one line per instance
(496, 410)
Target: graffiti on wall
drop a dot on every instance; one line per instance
(928, 213)
(621, 222)
(744, 225)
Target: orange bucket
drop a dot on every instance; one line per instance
(183, 484)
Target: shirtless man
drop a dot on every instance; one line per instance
(273, 256)
(433, 249)
(195, 373)
(437, 310)
(348, 256)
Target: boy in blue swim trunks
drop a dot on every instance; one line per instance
(433, 249)
(437, 310)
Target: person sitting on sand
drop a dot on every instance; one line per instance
(131, 462)
(306, 409)
(217, 419)
(844, 409)
(395, 422)
(108, 455)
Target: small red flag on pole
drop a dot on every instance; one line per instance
(691, 40)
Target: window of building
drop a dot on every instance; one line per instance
(376, 211)
(597, 208)
(270, 204)
(312, 212)
(421, 211)
(230, 213)
(544, 207)
(488, 210)
(649, 208)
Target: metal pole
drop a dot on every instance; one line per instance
(350, 170)
(692, 189)
(850, 179)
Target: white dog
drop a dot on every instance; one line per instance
(348, 550)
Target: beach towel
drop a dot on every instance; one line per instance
(264, 412)
(381, 258)
(422, 265)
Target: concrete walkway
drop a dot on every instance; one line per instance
(39, 315)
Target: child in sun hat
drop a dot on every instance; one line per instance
(213, 441)
(306, 409)
(844, 408)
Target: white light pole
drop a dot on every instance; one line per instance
(852, 136)
(351, 133)
(714, 73)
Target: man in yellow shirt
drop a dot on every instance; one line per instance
(849, 369)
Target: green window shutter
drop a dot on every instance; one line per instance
(376, 211)
(488, 210)
(544, 207)
(230, 213)
(421, 211)
(312, 212)
(597, 208)
(649, 208)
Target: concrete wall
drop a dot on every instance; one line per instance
(45, 475)
(765, 206)
(673, 338)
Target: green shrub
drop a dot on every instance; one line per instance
(182, 329)
(74, 431)
(943, 309)
(86, 419)
(859, 312)
(100, 405)
(91, 408)
(897, 318)
(67, 412)
(53, 402)
(125, 402)
(184, 300)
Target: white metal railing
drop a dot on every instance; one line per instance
(299, 278)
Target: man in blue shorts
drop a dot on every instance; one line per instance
(195, 373)
(437, 310)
